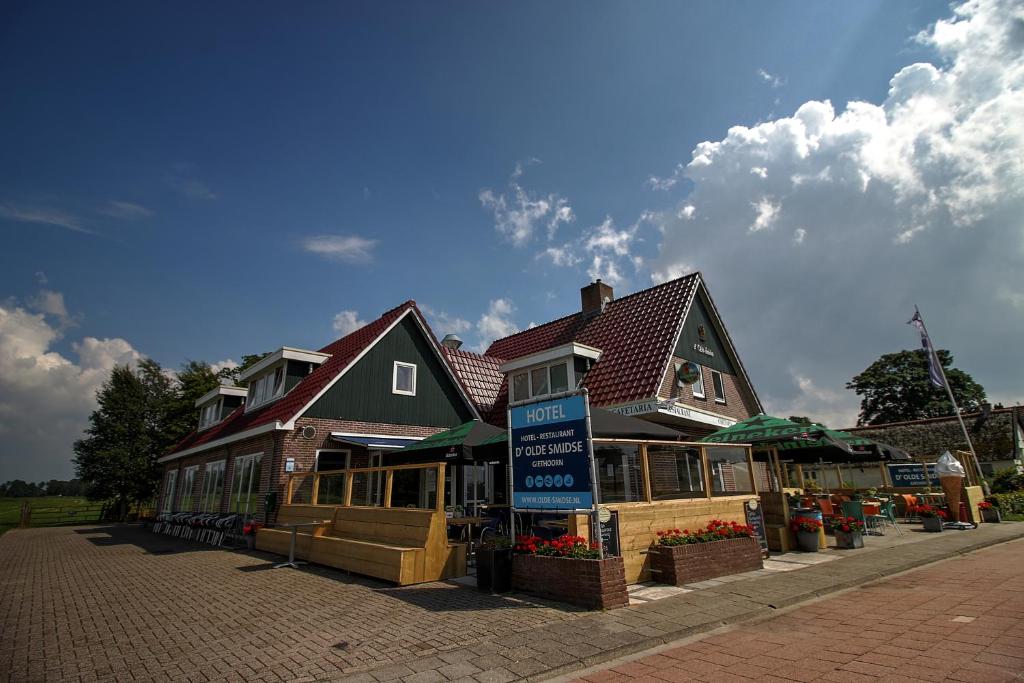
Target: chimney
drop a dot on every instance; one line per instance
(451, 341)
(594, 297)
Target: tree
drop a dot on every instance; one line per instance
(800, 419)
(118, 457)
(194, 380)
(896, 388)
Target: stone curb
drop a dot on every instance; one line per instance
(766, 610)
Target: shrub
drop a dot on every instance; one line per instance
(846, 524)
(1008, 503)
(716, 530)
(805, 525)
(1007, 481)
(926, 511)
(564, 546)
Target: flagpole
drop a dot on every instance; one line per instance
(956, 409)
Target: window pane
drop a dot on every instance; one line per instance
(618, 470)
(403, 378)
(730, 471)
(675, 472)
(539, 378)
(716, 378)
(331, 490)
(278, 381)
(187, 500)
(698, 386)
(254, 485)
(559, 378)
(414, 488)
(241, 464)
(521, 387)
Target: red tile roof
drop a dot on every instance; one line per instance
(479, 375)
(636, 335)
(342, 352)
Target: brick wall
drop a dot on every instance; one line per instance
(594, 584)
(678, 565)
(739, 404)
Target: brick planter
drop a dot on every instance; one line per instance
(593, 584)
(680, 564)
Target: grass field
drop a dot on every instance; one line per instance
(44, 508)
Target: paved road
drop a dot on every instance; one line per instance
(959, 620)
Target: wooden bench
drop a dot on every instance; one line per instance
(401, 545)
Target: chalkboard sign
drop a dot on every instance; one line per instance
(610, 535)
(755, 520)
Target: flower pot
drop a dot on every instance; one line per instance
(932, 523)
(593, 584)
(494, 570)
(849, 540)
(991, 515)
(678, 565)
(807, 541)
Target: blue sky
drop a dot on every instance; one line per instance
(174, 172)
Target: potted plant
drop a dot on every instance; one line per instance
(568, 569)
(494, 565)
(989, 512)
(719, 549)
(806, 531)
(249, 533)
(931, 516)
(849, 531)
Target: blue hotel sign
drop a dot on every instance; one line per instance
(551, 455)
(912, 475)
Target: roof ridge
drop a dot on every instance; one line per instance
(532, 329)
(657, 286)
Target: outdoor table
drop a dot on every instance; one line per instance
(467, 523)
(292, 562)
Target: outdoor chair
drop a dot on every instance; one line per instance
(826, 507)
(909, 503)
(888, 515)
(856, 510)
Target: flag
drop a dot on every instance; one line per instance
(934, 368)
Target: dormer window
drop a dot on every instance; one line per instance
(404, 379)
(218, 404)
(266, 388)
(272, 377)
(549, 372)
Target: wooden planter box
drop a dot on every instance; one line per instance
(593, 584)
(681, 564)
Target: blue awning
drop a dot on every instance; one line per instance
(373, 442)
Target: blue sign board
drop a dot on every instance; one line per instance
(912, 475)
(551, 455)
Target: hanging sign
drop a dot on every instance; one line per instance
(551, 455)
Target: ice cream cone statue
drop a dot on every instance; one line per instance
(951, 476)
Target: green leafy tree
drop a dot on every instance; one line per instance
(193, 380)
(896, 388)
(800, 419)
(118, 456)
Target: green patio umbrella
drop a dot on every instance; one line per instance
(469, 442)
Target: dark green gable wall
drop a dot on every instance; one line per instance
(690, 335)
(364, 393)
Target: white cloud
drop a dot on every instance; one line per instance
(561, 256)
(126, 210)
(519, 214)
(226, 364)
(444, 323)
(915, 199)
(45, 396)
(348, 248)
(668, 182)
(496, 322)
(43, 216)
(773, 81)
(347, 322)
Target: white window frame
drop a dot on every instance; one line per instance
(699, 383)
(192, 470)
(569, 380)
(203, 422)
(208, 489)
(721, 380)
(394, 379)
(240, 461)
(170, 489)
(264, 389)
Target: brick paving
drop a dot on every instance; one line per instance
(961, 620)
(119, 603)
